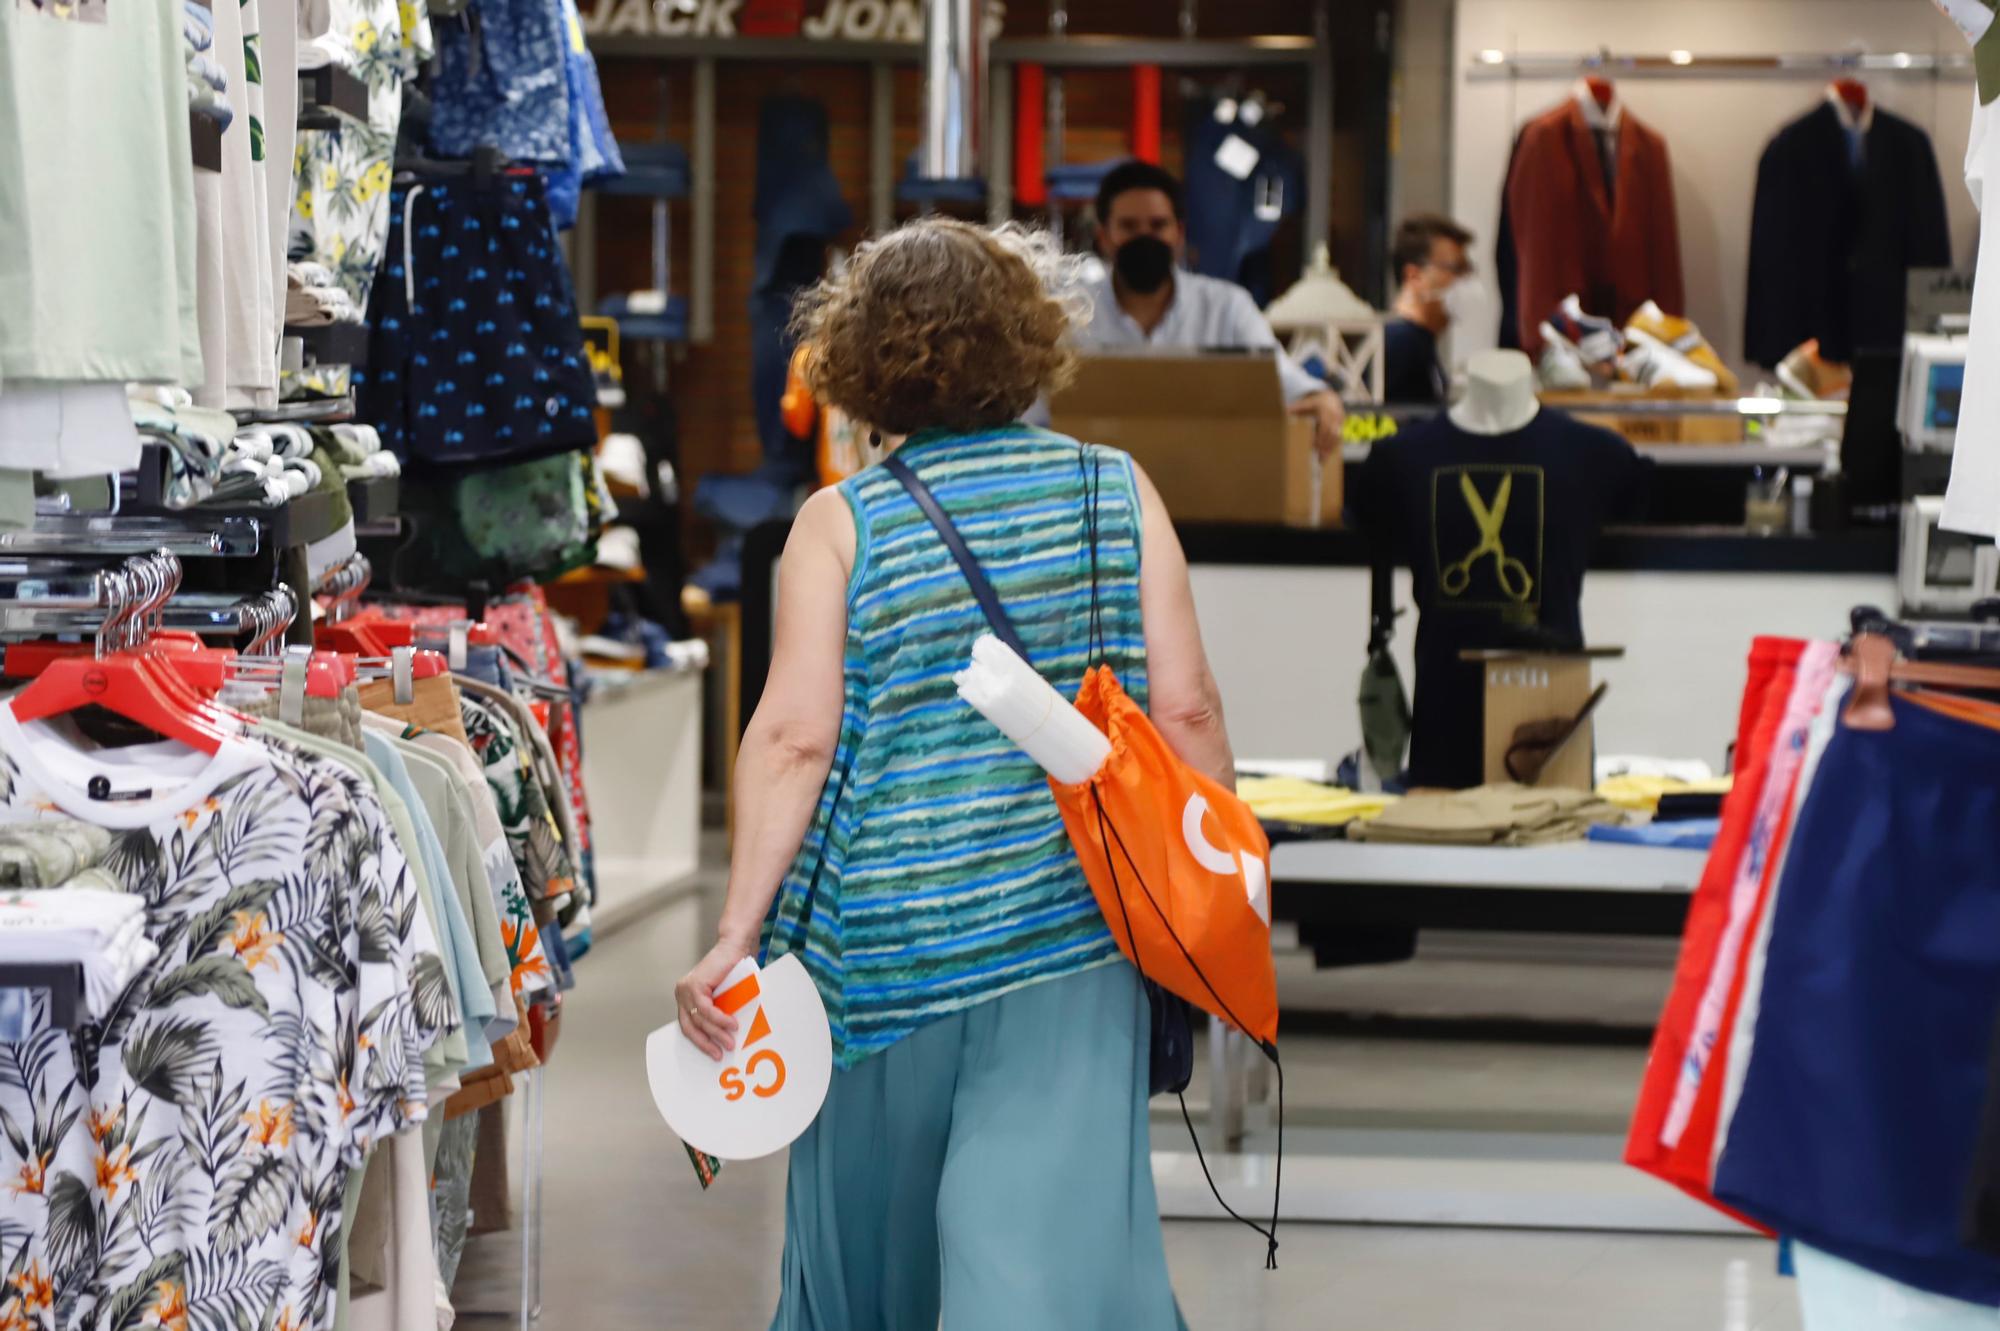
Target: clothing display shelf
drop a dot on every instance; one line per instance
(307, 411)
(330, 97)
(190, 534)
(652, 171)
(333, 344)
(1497, 64)
(308, 518)
(375, 499)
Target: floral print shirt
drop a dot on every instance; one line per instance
(340, 202)
(182, 1164)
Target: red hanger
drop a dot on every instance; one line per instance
(1601, 89)
(1854, 92)
(125, 683)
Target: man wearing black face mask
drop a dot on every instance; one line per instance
(1147, 301)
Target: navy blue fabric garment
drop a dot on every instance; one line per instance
(594, 152)
(487, 363)
(1859, 1118)
(1230, 221)
(798, 209)
(1411, 371)
(797, 194)
(501, 82)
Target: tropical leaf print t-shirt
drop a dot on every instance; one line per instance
(184, 1162)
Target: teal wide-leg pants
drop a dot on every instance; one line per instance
(993, 1170)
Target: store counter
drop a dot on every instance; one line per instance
(1284, 614)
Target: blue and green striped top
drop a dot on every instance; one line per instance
(947, 877)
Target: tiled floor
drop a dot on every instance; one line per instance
(634, 1245)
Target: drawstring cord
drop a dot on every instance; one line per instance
(409, 249)
(1106, 834)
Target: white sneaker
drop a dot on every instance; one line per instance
(1561, 368)
(623, 459)
(1652, 363)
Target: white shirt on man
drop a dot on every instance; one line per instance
(1207, 313)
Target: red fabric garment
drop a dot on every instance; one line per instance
(1691, 1162)
(1615, 248)
(521, 621)
(1773, 666)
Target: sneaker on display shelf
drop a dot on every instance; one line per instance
(1806, 374)
(1649, 320)
(1595, 337)
(1651, 363)
(1561, 367)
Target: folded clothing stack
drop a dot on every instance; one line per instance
(60, 907)
(196, 440)
(358, 450)
(1496, 815)
(50, 853)
(207, 87)
(269, 464)
(314, 297)
(1286, 799)
(84, 921)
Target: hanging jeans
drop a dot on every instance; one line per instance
(994, 1167)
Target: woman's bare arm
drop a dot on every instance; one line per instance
(786, 753)
(1184, 702)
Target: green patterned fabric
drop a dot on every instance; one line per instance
(948, 879)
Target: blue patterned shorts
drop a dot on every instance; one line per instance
(475, 354)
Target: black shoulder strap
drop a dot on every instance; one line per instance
(982, 590)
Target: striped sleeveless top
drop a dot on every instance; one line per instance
(944, 876)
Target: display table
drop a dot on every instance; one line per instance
(1579, 887)
(1432, 1177)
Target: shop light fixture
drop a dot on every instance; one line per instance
(1759, 406)
(1492, 57)
(1680, 57)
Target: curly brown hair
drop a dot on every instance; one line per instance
(939, 324)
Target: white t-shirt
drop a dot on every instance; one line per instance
(1972, 502)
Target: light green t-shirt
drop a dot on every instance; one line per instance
(97, 220)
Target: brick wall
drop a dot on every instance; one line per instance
(711, 384)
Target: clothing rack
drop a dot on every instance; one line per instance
(188, 535)
(265, 617)
(1497, 64)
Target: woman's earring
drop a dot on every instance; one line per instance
(875, 439)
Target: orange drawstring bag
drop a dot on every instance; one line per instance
(1180, 866)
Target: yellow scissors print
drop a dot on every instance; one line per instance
(1515, 581)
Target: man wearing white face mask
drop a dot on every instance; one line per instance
(1436, 289)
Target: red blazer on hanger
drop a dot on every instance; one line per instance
(1617, 248)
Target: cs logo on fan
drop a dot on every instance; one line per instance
(763, 1073)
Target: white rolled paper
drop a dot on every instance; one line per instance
(1006, 691)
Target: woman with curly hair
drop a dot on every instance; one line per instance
(983, 1152)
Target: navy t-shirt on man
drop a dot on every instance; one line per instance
(1411, 371)
(1497, 531)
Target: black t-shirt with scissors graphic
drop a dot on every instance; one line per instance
(1497, 531)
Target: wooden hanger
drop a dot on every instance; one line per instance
(1601, 90)
(1871, 659)
(1852, 91)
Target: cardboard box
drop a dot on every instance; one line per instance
(1719, 428)
(1211, 431)
(1522, 687)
